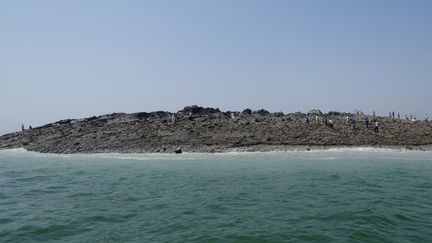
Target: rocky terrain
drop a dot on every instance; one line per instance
(198, 129)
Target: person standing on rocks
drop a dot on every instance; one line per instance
(376, 126)
(426, 117)
(22, 127)
(367, 123)
(353, 123)
(330, 123)
(172, 119)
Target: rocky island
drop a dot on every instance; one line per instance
(198, 129)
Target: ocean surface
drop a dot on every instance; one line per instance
(343, 195)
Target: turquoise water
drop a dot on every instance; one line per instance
(331, 196)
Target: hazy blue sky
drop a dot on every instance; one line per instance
(73, 59)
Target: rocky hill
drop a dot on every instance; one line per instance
(198, 129)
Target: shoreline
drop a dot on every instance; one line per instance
(250, 149)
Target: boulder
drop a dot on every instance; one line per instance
(198, 110)
(247, 112)
(262, 112)
(278, 114)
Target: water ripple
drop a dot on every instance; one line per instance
(343, 196)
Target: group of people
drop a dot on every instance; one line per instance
(352, 121)
(411, 117)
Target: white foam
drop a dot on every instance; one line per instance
(319, 154)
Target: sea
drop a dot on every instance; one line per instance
(336, 195)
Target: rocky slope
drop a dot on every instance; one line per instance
(198, 129)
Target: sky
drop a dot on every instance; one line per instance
(75, 59)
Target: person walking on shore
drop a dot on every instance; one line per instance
(376, 126)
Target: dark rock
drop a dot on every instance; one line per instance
(198, 110)
(335, 113)
(247, 111)
(278, 114)
(261, 112)
(62, 122)
(178, 151)
(140, 115)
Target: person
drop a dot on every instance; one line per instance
(353, 123)
(330, 123)
(393, 114)
(347, 119)
(398, 115)
(426, 117)
(30, 127)
(373, 113)
(307, 119)
(316, 119)
(376, 126)
(367, 123)
(172, 118)
(406, 117)
(22, 127)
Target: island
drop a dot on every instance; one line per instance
(209, 130)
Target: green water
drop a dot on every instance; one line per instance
(331, 196)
